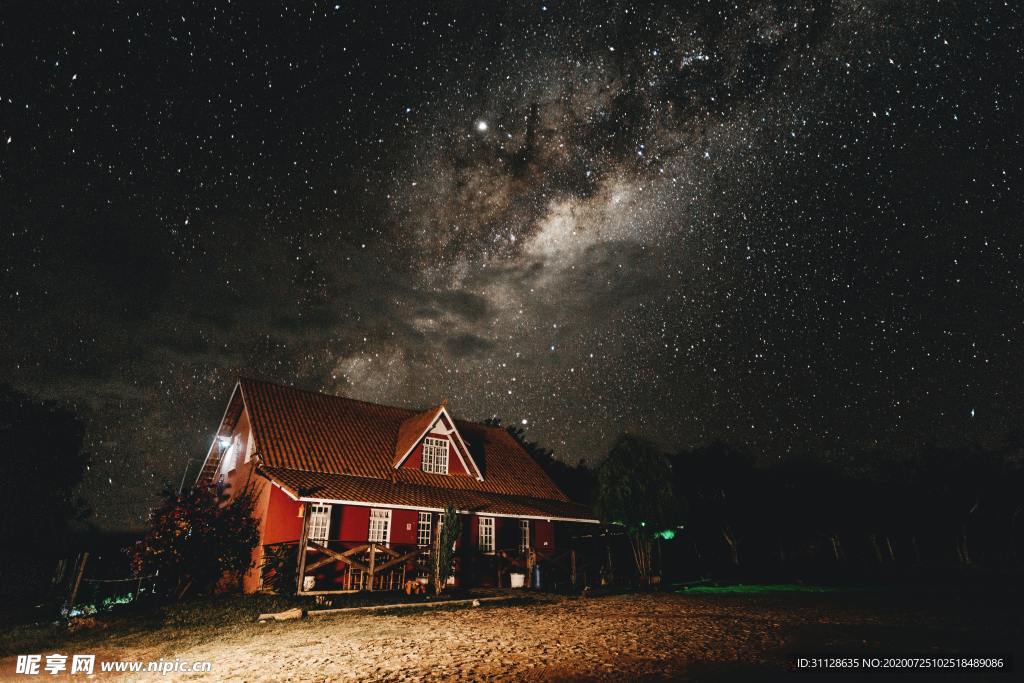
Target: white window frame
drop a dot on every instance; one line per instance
(435, 455)
(380, 532)
(424, 527)
(319, 522)
(524, 535)
(485, 535)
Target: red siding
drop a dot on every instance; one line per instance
(415, 459)
(543, 534)
(282, 522)
(403, 527)
(471, 531)
(355, 523)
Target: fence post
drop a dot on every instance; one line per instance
(303, 542)
(78, 581)
(373, 558)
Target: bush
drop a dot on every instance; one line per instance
(194, 543)
(281, 567)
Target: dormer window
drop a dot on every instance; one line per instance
(435, 455)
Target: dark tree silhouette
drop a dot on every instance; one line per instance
(42, 460)
(578, 481)
(194, 542)
(634, 491)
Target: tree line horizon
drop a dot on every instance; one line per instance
(731, 514)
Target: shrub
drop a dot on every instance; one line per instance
(194, 542)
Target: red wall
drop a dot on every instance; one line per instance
(351, 523)
(355, 524)
(415, 459)
(403, 527)
(282, 522)
(543, 533)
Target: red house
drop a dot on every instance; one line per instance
(364, 485)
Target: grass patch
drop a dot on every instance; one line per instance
(755, 588)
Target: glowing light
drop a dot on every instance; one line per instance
(481, 126)
(224, 441)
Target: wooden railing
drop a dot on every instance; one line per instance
(566, 563)
(369, 566)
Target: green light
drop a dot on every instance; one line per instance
(667, 534)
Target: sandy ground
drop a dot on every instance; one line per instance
(625, 637)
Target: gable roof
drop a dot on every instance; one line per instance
(412, 431)
(306, 431)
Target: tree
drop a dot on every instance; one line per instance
(449, 529)
(194, 542)
(42, 461)
(634, 490)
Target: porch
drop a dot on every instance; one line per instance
(331, 567)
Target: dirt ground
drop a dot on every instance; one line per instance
(625, 637)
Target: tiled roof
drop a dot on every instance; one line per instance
(340, 487)
(410, 430)
(302, 430)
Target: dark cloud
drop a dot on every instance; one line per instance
(463, 345)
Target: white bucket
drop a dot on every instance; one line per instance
(517, 580)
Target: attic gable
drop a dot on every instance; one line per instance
(316, 432)
(429, 432)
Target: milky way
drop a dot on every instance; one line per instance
(791, 229)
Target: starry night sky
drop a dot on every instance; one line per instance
(791, 228)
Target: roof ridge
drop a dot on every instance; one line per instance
(416, 411)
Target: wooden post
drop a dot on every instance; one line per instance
(78, 581)
(303, 543)
(572, 567)
(373, 560)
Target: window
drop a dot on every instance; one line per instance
(435, 455)
(319, 522)
(487, 534)
(524, 535)
(423, 530)
(380, 526)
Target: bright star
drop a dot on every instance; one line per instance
(481, 126)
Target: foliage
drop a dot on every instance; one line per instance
(450, 528)
(42, 461)
(634, 491)
(876, 513)
(281, 568)
(194, 542)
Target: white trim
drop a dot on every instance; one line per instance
(429, 529)
(326, 510)
(480, 528)
(436, 444)
(395, 506)
(439, 428)
(216, 435)
(455, 430)
(387, 528)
